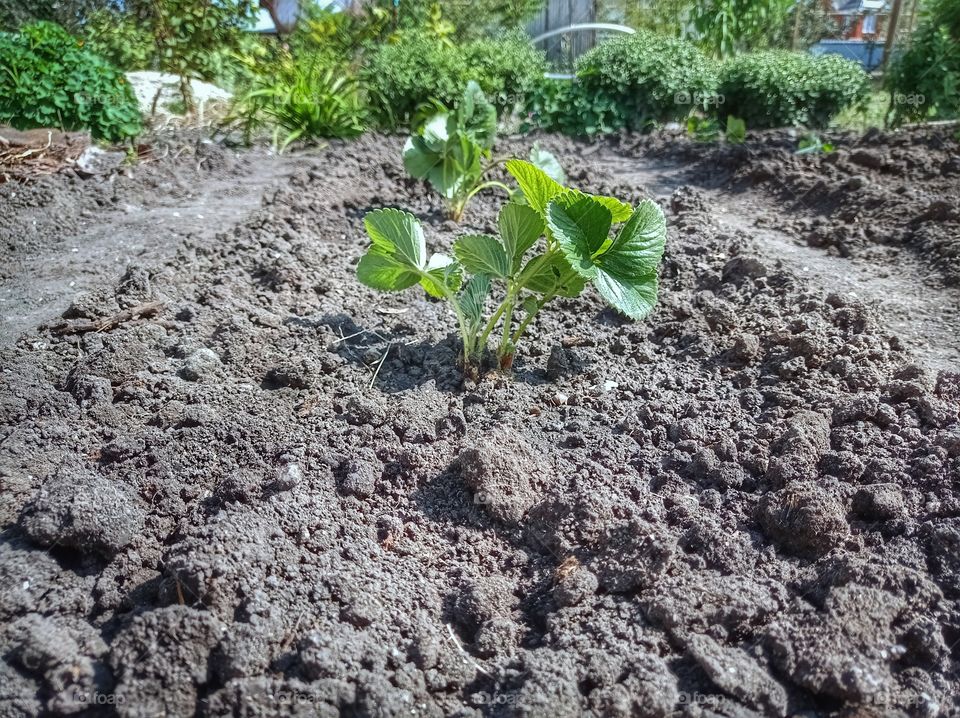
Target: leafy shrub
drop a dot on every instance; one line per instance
(564, 106)
(48, 79)
(777, 88)
(193, 39)
(339, 37)
(924, 81)
(421, 70)
(303, 100)
(577, 248)
(644, 79)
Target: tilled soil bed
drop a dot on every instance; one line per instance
(277, 495)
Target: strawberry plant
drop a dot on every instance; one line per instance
(452, 152)
(811, 144)
(552, 241)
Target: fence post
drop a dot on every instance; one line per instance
(891, 34)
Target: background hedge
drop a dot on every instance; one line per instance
(419, 69)
(778, 88)
(645, 78)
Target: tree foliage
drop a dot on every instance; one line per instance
(924, 81)
(70, 14)
(727, 27)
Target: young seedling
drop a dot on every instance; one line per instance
(707, 129)
(550, 245)
(811, 144)
(703, 129)
(452, 152)
(736, 133)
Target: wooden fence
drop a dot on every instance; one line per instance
(563, 49)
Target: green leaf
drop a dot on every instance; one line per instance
(382, 271)
(476, 117)
(581, 226)
(538, 188)
(444, 271)
(623, 270)
(397, 233)
(459, 169)
(552, 277)
(736, 130)
(473, 297)
(547, 162)
(627, 270)
(482, 254)
(530, 305)
(635, 296)
(520, 228)
(640, 243)
(435, 131)
(619, 211)
(419, 158)
(450, 163)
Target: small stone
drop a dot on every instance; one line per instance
(358, 476)
(201, 364)
(288, 477)
(746, 348)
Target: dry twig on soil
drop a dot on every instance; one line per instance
(81, 326)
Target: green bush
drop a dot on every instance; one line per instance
(644, 79)
(420, 70)
(778, 88)
(304, 99)
(563, 106)
(924, 81)
(49, 79)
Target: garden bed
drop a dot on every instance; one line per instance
(274, 493)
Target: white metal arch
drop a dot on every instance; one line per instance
(578, 27)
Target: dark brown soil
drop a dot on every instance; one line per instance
(279, 497)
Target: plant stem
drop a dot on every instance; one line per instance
(486, 185)
(546, 298)
(491, 323)
(461, 318)
(529, 318)
(505, 337)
